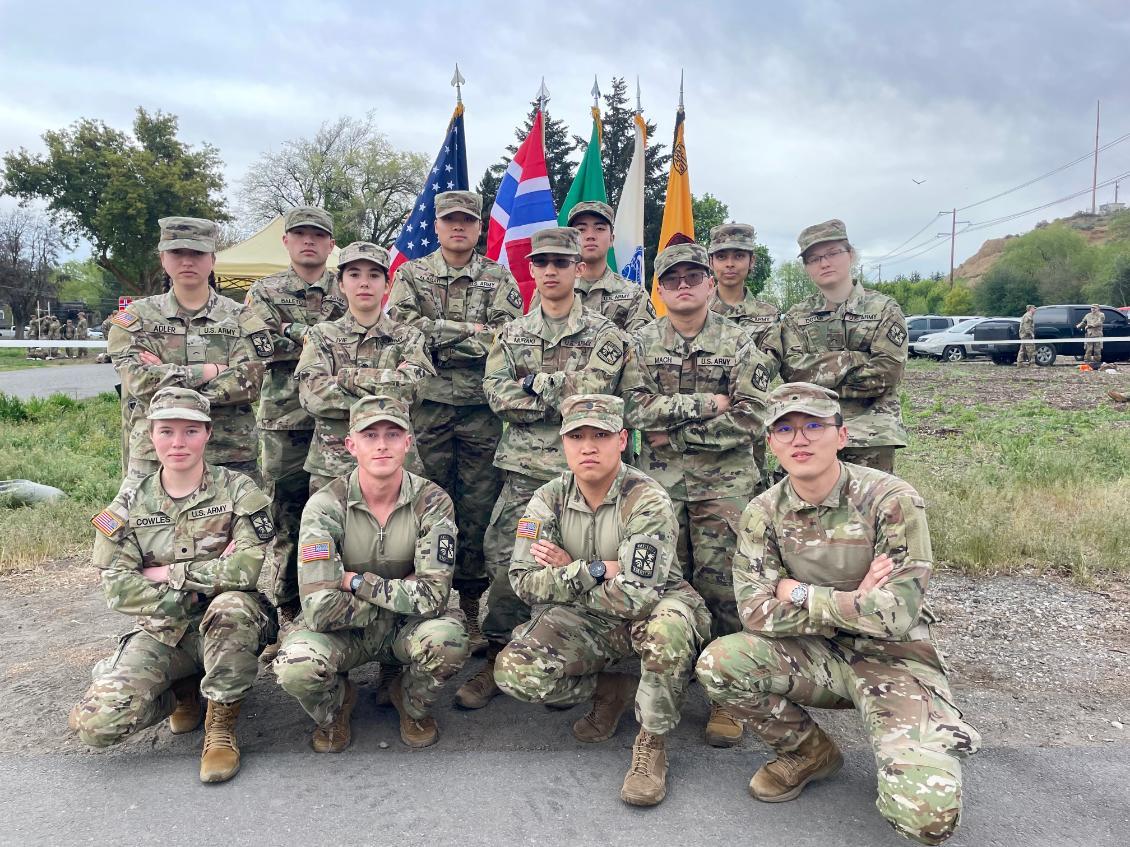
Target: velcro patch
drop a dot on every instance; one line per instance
(761, 378)
(644, 557)
(314, 551)
(209, 511)
(107, 523)
(528, 528)
(264, 347)
(716, 361)
(611, 352)
(124, 319)
(263, 526)
(514, 298)
(896, 334)
(488, 284)
(445, 549)
(150, 520)
(661, 360)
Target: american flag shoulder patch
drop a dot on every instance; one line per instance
(124, 319)
(107, 523)
(314, 551)
(528, 528)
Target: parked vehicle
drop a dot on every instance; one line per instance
(954, 344)
(919, 325)
(1054, 322)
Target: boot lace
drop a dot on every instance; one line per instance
(643, 754)
(220, 731)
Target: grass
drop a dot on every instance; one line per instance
(15, 359)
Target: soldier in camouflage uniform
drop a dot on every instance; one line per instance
(376, 554)
(599, 287)
(1092, 326)
(191, 337)
(559, 349)
(68, 334)
(184, 557)
(830, 574)
(1024, 356)
(33, 334)
(55, 333)
(595, 554)
(458, 299)
(290, 302)
(851, 340)
(695, 386)
(82, 333)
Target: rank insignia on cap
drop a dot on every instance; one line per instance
(314, 551)
(643, 560)
(528, 528)
(124, 319)
(107, 523)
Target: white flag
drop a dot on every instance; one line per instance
(629, 214)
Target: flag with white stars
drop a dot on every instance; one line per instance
(449, 173)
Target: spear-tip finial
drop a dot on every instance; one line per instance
(595, 93)
(639, 104)
(680, 89)
(458, 82)
(543, 95)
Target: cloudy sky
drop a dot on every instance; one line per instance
(795, 112)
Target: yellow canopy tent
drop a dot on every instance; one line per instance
(260, 255)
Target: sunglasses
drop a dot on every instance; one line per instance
(693, 279)
(560, 264)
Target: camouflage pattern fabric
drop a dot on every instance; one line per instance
(580, 626)
(505, 609)
(624, 303)
(857, 348)
(873, 650)
(54, 333)
(755, 316)
(1092, 325)
(82, 333)
(708, 536)
(1026, 354)
(68, 332)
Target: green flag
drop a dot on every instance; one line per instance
(588, 184)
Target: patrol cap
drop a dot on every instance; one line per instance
(362, 251)
(803, 397)
(690, 252)
(557, 240)
(732, 237)
(592, 207)
(602, 411)
(1029, 306)
(308, 216)
(188, 234)
(368, 410)
(1095, 306)
(468, 202)
(179, 404)
(833, 230)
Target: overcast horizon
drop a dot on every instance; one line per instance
(793, 115)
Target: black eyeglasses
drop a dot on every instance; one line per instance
(817, 258)
(693, 279)
(560, 264)
(811, 429)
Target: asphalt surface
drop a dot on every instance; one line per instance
(77, 381)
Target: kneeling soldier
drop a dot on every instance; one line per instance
(830, 576)
(185, 559)
(595, 554)
(376, 554)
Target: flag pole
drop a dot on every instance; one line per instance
(543, 98)
(458, 82)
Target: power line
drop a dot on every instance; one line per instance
(895, 250)
(1006, 218)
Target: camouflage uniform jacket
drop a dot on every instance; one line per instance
(584, 357)
(624, 303)
(830, 546)
(755, 316)
(858, 349)
(668, 386)
(82, 329)
(1027, 326)
(339, 533)
(635, 525)
(1092, 325)
(190, 536)
(343, 361)
(223, 332)
(444, 303)
(286, 298)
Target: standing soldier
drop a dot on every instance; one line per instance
(1092, 326)
(851, 340)
(67, 333)
(732, 259)
(361, 353)
(376, 552)
(458, 299)
(559, 349)
(595, 551)
(1027, 333)
(55, 333)
(599, 286)
(695, 387)
(191, 337)
(82, 333)
(185, 559)
(830, 574)
(33, 334)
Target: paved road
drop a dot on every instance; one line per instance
(77, 381)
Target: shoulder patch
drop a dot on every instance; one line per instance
(761, 378)
(314, 551)
(107, 523)
(896, 334)
(264, 347)
(445, 548)
(263, 526)
(644, 557)
(124, 319)
(610, 352)
(514, 298)
(528, 528)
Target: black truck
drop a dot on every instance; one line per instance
(1054, 322)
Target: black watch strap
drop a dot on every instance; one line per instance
(528, 384)
(356, 582)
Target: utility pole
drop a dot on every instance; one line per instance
(953, 238)
(1116, 189)
(1095, 173)
(880, 274)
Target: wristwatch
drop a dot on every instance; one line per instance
(597, 570)
(528, 384)
(356, 582)
(799, 595)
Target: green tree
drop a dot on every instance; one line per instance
(788, 285)
(762, 269)
(84, 281)
(1005, 291)
(709, 212)
(958, 300)
(111, 188)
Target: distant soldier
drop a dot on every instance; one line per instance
(1025, 355)
(55, 333)
(33, 334)
(82, 333)
(1092, 326)
(69, 335)
(732, 259)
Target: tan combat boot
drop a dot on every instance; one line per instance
(469, 605)
(415, 732)
(333, 737)
(389, 674)
(1118, 396)
(287, 613)
(481, 688)
(646, 782)
(785, 777)
(186, 716)
(614, 693)
(723, 729)
(220, 759)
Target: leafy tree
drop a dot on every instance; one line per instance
(29, 253)
(762, 269)
(111, 188)
(1005, 291)
(788, 285)
(958, 301)
(84, 281)
(708, 212)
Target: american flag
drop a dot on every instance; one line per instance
(107, 522)
(528, 528)
(449, 173)
(314, 552)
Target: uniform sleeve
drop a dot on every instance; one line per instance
(238, 571)
(504, 391)
(505, 305)
(641, 312)
(405, 307)
(268, 312)
(890, 611)
(325, 607)
(242, 380)
(129, 592)
(425, 595)
(322, 392)
(883, 368)
(534, 582)
(749, 383)
(828, 368)
(647, 409)
(600, 375)
(125, 346)
(414, 365)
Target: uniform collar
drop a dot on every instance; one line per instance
(835, 497)
(297, 283)
(572, 322)
(170, 308)
(819, 303)
(443, 270)
(576, 500)
(171, 507)
(707, 340)
(354, 498)
(605, 282)
(383, 326)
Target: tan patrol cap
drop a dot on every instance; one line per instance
(592, 207)
(732, 237)
(179, 404)
(833, 230)
(308, 216)
(803, 397)
(602, 411)
(690, 252)
(467, 202)
(368, 410)
(362, 251)
(188, 234)
(557, 240)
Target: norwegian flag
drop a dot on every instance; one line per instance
(523, 205)
(449, 173)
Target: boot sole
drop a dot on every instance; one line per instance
(396, 697)
(214, 778)
(715, 739)
(637, 800)
(828, 770)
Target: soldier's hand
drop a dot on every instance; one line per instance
(548, 553)
(148, 358)
(878, 574)
(611, 569)
(159, 573)
(785, 588)
(346, 578)
(657, 439)
(722, 402)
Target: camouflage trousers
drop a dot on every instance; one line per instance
(505, 609)
(708, 537)
(457, 445)
(879, 458)
(1026, 354)
(281, 455)
(1092, 351)
(312, 666)
(131, 688)
(916, 732)
(555, 658)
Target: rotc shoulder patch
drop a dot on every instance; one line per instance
(528, 528)
(644, 557)
(107, 523)
(264, 347)
(761, 378)
(897, 335)
(263, 526)
(124, 319)
(314, 551)
(514, 298)
(611, 352)
(445, 549)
